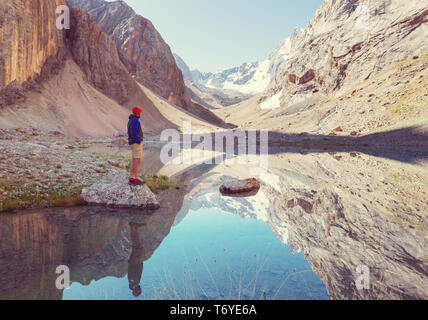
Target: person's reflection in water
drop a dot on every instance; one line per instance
(135, 263)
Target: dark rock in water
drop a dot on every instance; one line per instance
(243, 188)
(117, 193)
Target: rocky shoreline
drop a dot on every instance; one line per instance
(39, 169)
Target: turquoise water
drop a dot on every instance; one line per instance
(213, 255)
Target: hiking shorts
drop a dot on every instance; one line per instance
(137, 151)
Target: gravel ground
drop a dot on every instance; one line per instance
(47, 169)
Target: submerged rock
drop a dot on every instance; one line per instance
(116, 192)
(246, 187)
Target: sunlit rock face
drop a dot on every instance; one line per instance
(348, 42)
(31, 46)
(141, 48)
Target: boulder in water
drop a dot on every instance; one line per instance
(115, 191)
(247, 187)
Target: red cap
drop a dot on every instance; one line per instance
(137, 111)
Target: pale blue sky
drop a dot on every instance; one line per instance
(214, 34)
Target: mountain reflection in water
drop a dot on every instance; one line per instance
(316, 219)
(209, 255)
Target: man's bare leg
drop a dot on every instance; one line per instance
(137, 166)
(132, 169)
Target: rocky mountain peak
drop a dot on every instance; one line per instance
(348, 42)
(141, 48)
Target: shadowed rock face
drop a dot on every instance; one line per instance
(141, 48)
(31, 46)
(97, 56)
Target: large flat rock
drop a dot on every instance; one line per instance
(115, 191)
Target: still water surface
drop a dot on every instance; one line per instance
(213, 255)
(318, 217)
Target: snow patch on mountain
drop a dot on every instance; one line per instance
(249, 78)
(273, 102)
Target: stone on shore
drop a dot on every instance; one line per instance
(115, 191)
(237, 187)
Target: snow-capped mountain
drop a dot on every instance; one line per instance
(233, 85)
(249, 78)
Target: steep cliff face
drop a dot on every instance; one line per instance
(141, 48)
(348, 42)
(97, 56)
(41, 83)
(31, 46)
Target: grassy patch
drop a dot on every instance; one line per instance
(158, 183)
(4, 186)
(19, 198)
(399, 178)
(116, 160)
(402, 109)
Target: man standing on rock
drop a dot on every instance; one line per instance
(135, 139)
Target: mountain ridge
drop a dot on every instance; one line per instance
(249, 77)
(75, 80)
(141, 48)
(230, 86)
(359, 67)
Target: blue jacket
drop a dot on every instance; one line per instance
(135, 132)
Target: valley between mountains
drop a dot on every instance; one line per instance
(345, 104)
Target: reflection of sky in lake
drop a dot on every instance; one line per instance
(217, 256)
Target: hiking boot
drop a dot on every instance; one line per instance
(139, 183)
